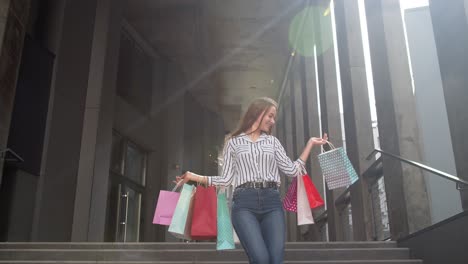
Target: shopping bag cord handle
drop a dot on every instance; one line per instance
(330, 144)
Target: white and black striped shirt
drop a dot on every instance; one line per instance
(248, 161)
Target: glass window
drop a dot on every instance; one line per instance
(135, 161)
(116, 158)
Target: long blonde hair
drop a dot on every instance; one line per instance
(258, 107)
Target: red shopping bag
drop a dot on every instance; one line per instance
(204, 217)
(312, 193)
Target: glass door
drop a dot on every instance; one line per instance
(128, 176)
(128, 214)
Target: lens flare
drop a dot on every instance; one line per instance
(311, 27)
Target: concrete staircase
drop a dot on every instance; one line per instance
(203, 253)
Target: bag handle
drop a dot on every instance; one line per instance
(331, 145)
(303, 170)
(220, 189)
(177, 186)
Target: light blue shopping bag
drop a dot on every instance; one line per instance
(182, 218)
(337, 168)
(225, 238)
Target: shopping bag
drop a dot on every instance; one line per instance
(290, 199)
(167, 202)
(181, 220)
(204, 226)
(225, 238)
(337, 168)
(236, 237)
(304, 213)
(312, 193)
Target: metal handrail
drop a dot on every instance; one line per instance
(460, 182)
(322, 217)
(4, 152)
(344, 197)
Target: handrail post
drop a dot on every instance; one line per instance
(462, 186)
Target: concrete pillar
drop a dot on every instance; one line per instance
(173, 125)
(450, 22)
(302, 135)
(311, 114)
(466, 10)
(13, 21)
(58, 180)
(334, 126)
(91, 197)
(291, 220)
(436, 143)
(357, 119)
(157, 161)
(407, 196)
(298, 108)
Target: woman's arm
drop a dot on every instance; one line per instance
(313, 141)
(228, 170)
(286, 165)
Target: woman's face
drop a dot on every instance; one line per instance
(268, 120)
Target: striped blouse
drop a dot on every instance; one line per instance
(248, 161)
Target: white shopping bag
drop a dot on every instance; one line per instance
(304, 213)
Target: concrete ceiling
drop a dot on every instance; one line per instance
(230, 51)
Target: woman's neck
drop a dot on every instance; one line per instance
(254, 133)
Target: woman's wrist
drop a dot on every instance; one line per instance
(197, 178)
(191, 176)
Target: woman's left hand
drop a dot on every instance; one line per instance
(319, 141)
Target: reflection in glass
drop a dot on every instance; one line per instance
(134, 164)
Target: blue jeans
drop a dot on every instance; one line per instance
(258, 218)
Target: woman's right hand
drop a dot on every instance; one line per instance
(187, 176)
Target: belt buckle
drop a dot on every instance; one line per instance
(257, 185)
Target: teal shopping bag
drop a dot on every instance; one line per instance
(182, 218)
(225, 239)
(337, 168)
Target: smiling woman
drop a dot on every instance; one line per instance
(252, 160)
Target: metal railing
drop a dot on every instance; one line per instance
(461, 184)
(10, 156)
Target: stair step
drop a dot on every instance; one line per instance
(197, 245)
(133, 255)
(397, 261)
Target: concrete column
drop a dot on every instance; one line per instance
(291, 220)
(311, 114)
(93, 173)
(173, 125)
(155, 181)
(298, 108)
(13, 22)
(302, 134)
(357, 119)
(466, 10)
(450, 22)
(407, 196)
(436, 143)
(58, 180)
(288, 121)
(334, 127)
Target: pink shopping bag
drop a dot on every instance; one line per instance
(165, 207)
(290, 200)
